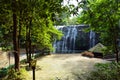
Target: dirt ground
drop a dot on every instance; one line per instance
(57, 66)
(64, 67)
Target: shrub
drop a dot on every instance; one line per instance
(3, 72)
(23, 61)
(106, 71)
(10, 67)
(17, 75)
(39, 55)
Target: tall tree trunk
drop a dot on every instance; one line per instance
(15, 36)
(30, 39)
(20, 27)
(115, 42)
(117, 56)
(114, 36)
(27, 44)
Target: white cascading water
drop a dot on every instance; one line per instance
(68, 39)
(73, 35)
(92, 39)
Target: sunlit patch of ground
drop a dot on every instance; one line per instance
(64, 66)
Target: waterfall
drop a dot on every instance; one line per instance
(74, 39)
(67, 44)
(92, 39)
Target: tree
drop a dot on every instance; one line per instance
(103, 17)
(8, 20)
(9, 27)
(31, 21)
(38, 20)
(15, 35)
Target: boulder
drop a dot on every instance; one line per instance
(87, 54)
(98, 50)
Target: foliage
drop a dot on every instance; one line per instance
(23, 61)
(69, 12)
(103, 17)
(7, 48)
(28, 21)
(38, 55)
(47, 35)
(42, 17)
(3, 72)
(5, 23)
(19, 75)
(105, 71)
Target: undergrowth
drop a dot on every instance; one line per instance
(105, 71)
